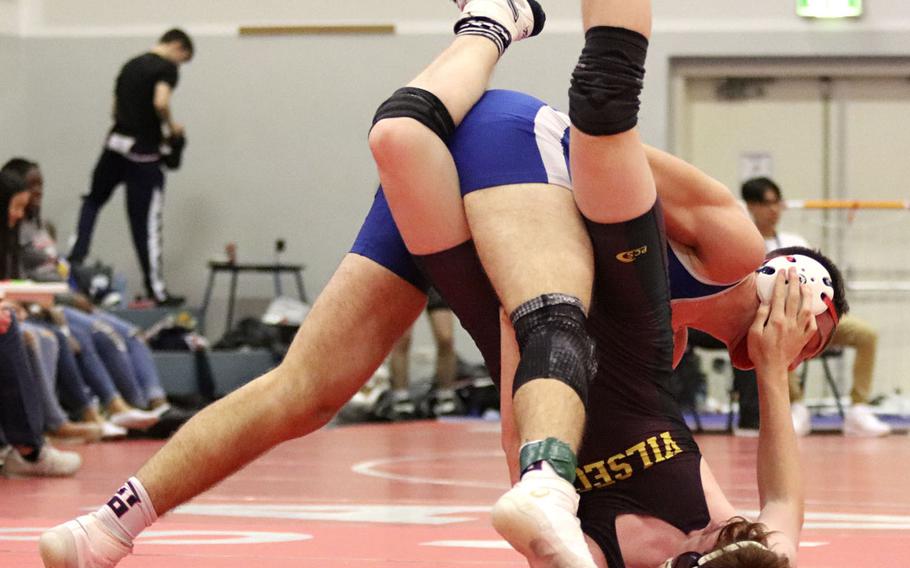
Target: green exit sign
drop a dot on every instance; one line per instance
(829, 8)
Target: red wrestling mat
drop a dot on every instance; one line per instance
(418, 495)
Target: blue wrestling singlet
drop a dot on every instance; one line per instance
(508, 138)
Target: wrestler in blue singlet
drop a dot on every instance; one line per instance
(638, 455)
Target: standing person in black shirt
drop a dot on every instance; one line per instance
(133, 155)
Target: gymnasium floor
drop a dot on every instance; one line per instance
(418, 494)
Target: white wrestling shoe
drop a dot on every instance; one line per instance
(82, 543)
(521, 18)
(538, 517)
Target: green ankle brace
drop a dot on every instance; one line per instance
(555, 452)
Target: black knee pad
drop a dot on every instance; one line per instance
(554, 343)
(423, 106)
(607, 82)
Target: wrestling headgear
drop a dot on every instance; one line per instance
(810, 271)
(694, 559)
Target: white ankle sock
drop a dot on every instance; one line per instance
(541, 469)
(128, 512)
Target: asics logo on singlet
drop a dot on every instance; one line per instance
(631, 255)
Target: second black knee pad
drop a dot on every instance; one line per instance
(607, 82)
(420, 105)
(554, 343)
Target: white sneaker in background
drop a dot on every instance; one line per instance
(51, 462)
(802, 419)
(111, 431)
(861, 422)
(745, 432)
(82, 543)
(134, 419)
(539, 518)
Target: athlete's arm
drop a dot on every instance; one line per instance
(702, 214)
(162, 104)
(777, 335)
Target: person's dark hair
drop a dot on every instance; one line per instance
(841, 306)
(178, 35)
(19, 166)
(10, 184)
(739, 529)
(753, 190)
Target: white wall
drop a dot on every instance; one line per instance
(9, 16)
(12, 97)
(277, 126)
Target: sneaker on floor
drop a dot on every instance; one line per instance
(861, 422)
(521, 18)
(51, 462)
(802, 419)
(447, 405)
(77, 433)
(134, 419)
(742, 432)
(111, 431)
(161, 409)
(81, 543)
(538, 517)
(402, 409)
(169, 301)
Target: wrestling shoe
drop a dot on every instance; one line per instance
(502, 21)
(82, 543)
(538, 517)
(51, 462)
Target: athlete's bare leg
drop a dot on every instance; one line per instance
(399, 362)
(417, 172)
(532, 242)
(414, 164)
(442, 324)
(361, 312)
(536, 251)
(612, 180)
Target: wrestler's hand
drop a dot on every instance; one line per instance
(782, 328)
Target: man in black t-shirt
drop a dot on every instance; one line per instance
(144, 137)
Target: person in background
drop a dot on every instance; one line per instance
(764, 201)
(22, 446)
(445, 402)
(133, 155)
(111, 358)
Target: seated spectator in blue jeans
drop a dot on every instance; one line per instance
(21, 411)
(108, 368)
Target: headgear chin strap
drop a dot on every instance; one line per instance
(810, 272)
(694, 559)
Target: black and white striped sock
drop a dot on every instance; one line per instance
(485, 27)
